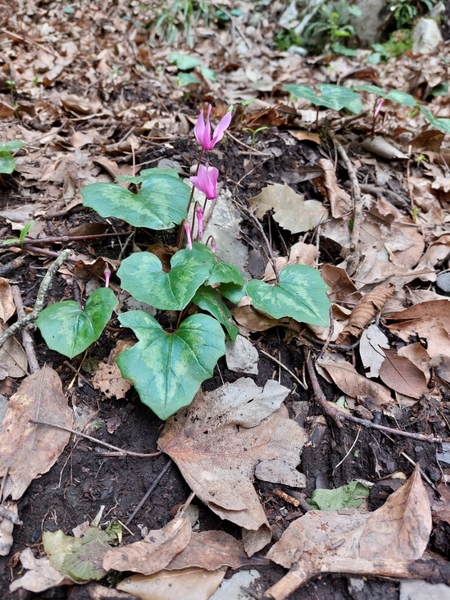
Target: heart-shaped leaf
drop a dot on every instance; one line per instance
(225, 273)
(161, 202)
(168, 368)
(69, 330)
(142, 275)
(7, 163)
(208, 298)
(300, 294)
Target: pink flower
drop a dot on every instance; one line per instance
(206, 181)
(202, 129)
(187, 229)
(199, 215)
(378, 107)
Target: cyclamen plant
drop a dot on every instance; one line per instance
(167, 367)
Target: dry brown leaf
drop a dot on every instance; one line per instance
(28, 450)
(441, 366)
(371, 349)
(299, 254)
(342, 289)
(108, 380)
(154, 552)
(366, 309)
(353, 384)
(13, 360)
(189, 584)
(291, 210)
(40, 576)
(340, 201)
(334, 541)
(401, 375)
(217, 442)
(417, 354)
(7, 306)
(253, 320)
(210, 550)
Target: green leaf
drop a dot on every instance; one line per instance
(187, 79)
(225, 273)
(141, 274)
(161, 202)
(347, 496)
(208, 298)
(302, 91)
(441, 124)
(11, 146)
(208, 73)
(167, 369)
(233, 292)
(300, 294)
(69, 330)
(185, 62)
(372, 89)
(147, 174)
(338, 97)
(79, 558)
(7, 163)
(401, 98)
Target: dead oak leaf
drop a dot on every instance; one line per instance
(28, 450)
(218, 441)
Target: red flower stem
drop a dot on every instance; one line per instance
(180, 237)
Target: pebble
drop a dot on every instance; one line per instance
(443, 284)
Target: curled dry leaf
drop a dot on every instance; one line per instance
(353, 384)
(154, 552)
(28, 450)
(366, 309)
(365, 544)
(371, 349)
(217, 442)
(40, 576)
(340, 200)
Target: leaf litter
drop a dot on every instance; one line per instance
(76, 135)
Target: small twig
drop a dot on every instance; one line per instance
(334, 414)
(27, 339)
(339, 416)
(330, 333)
(351, 448)
(39, 304)
(14, 264)
(95, 440)
(86, 381)
(293, 375)
(149, 491)
(353, 256)
(252, 150)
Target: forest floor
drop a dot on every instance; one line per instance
(92, 95)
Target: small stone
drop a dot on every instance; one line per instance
(443, 283)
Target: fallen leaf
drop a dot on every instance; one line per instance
(40, 576)
(291, 210)
(7, 306)
(13, 359)
(360, 543)
(6, 528)
(108, 380)
(299, 254)
(210, 550)
(353, 384)
(401, 375)
(189, 584)
(221, 437)
(28, 450)
(278, 471)
(371, 346)
(241, 356)
(154, 552)
(340, 201)
(252, 319)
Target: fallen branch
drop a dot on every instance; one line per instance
(39, 304)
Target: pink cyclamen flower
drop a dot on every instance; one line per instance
(199, 215)
(187, 229)
(378, 108)
(107, 274)
(202, 129)
(206, 181)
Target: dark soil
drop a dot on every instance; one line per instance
(84, 478)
